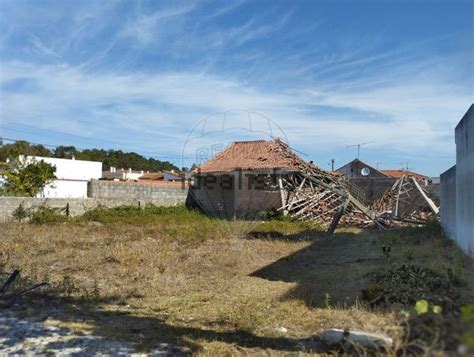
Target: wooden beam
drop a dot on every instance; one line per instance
(430, 202)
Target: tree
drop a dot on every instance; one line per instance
(27, 179)
(65, 152)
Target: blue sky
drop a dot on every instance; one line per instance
(139, 75)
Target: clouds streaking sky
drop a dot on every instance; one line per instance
(137, 75)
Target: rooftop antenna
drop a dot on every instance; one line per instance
(358, 147)
(378, 164)
(405, 166)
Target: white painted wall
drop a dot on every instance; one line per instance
(72, 169)
(65, 189)
(72, 176)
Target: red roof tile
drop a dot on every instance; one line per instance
(253, 155)
(400, 173)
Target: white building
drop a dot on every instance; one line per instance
(72, 176)
(122, 174)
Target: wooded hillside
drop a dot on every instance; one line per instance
(116, 158)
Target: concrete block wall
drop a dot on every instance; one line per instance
(165, 193)
(220, 199)
(448, 202)
(104, 194)
(464, 135)
(252, 200)
(373, 188)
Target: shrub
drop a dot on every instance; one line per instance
(20, 213)
(45, 215)
(406, 284)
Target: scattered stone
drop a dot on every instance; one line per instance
(365, 339)
(333, 338)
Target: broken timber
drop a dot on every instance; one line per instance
(321, 197)
(327, 199)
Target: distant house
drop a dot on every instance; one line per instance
(238, 181)
(72, 176)
(171, 176)
(122, 174)
(359, 169)
(407, 173)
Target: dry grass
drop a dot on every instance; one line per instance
(185, 279)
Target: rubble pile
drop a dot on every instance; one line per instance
(327, 198)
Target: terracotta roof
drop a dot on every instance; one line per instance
(400, 173)
(253, 155)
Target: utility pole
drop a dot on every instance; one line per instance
(332, 164)
(358, 147)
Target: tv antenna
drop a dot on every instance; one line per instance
(405, 166)
(358, 147)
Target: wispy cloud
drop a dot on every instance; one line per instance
(144, 74)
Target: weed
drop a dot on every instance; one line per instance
(20, 213)
(467, 319)
(91, 295)
(408, 252)
(454, 274)
(46, 215)
(68, 286)
(387, 251)
(327, 301)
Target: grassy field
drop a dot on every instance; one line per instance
(214, 287)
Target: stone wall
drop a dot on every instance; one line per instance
(107, 194)
(448, 202)
(464, 134)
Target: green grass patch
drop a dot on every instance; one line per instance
(135, 215)
(415, 235)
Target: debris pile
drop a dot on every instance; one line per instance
(306, 192)
(323, 197)
(405, 202)
(329, 198)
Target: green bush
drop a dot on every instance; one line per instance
(20, 213)
(45, 215)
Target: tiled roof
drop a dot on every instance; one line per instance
(400, 173)
(253, 155)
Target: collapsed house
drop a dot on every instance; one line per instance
(251, 177)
